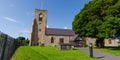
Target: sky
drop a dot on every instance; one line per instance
(16, 16)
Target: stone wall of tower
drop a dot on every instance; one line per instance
(34, 33)
(38, 28)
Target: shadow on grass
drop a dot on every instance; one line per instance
(113, 48)
(110, 47)
(99, 57)
(39, 54)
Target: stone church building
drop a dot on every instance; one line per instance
(41, 35)
(48, 36)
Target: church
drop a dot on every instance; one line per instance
(48, 36)
(41, 35)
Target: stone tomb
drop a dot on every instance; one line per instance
(65, 46)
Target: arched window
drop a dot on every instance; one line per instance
(61, 40)
(52, 40)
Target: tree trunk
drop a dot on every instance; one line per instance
(100, 43)
(84, 44)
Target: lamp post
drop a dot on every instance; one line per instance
(91, 50)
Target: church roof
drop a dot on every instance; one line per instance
(56, 31)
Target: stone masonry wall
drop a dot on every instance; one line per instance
(56, 40)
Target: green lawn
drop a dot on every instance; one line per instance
(110, 50)
(48, 53)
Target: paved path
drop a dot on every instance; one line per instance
(101, 56)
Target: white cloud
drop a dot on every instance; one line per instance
(10, 19)
(65, 27)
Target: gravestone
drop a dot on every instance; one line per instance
(65, 46)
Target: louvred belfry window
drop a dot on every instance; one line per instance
(40, 17)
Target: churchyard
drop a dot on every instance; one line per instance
(48, 53)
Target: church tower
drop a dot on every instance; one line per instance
(38, 27)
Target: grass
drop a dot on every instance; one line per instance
(48, 53)
(110, 50)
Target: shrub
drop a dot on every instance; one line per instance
(42, 44)
(74, 49)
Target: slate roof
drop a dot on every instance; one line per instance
(56, 31)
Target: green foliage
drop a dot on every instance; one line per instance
(74, 48)
(99, 19)
(48, 53)
(23, 40)
(42, 45)
(2, 37)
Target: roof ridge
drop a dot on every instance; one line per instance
(59, 28)
(56, 31)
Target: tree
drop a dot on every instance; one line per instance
(99, 19)
(23, 40)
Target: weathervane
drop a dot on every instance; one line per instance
(41, 7)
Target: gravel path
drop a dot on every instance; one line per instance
(101, 56)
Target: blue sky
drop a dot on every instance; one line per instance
(16, 16)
